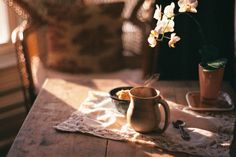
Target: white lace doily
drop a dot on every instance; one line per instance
(211, 134)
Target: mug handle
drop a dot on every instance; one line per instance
(167, 113)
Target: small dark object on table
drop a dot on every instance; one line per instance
(179, 124)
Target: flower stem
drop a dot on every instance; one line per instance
(166, 37)
(199, 28)
(198, 25)
(163, 35)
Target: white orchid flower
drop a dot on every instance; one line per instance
(169, 10)
(165, 25)
(158, 13)
(188, 6)
(155, 33)
(152, 40)
(173, 39)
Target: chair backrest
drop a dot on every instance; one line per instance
(83, 36)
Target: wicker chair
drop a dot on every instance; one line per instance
(32, 50)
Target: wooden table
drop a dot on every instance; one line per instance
(59, 98)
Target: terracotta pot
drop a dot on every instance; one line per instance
(210, 83)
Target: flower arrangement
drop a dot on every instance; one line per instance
(210, 59)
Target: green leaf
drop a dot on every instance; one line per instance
(214, 65)
(209, 53)
(219, 63)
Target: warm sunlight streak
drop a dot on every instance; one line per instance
(192, 119)
(70, 93)
(4, 25)
(66, 92)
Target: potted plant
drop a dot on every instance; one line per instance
(211, 67)
(211, 72)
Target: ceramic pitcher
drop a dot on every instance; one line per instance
(144, 114)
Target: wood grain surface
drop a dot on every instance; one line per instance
(59, 98)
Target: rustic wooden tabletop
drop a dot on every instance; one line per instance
(59, 98)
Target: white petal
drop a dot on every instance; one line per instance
(152, 41)
(158, 13)
(174, 39)
(193, 10)
(169, 26)
(188, 5)
(169, 10)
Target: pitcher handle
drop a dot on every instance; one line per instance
(167, 114)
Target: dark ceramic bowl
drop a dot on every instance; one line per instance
(121, 105)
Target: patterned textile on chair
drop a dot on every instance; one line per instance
(87, 36)
(86, 39)
(91, 35)
(83, 38)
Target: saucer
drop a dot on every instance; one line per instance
(223, 103)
